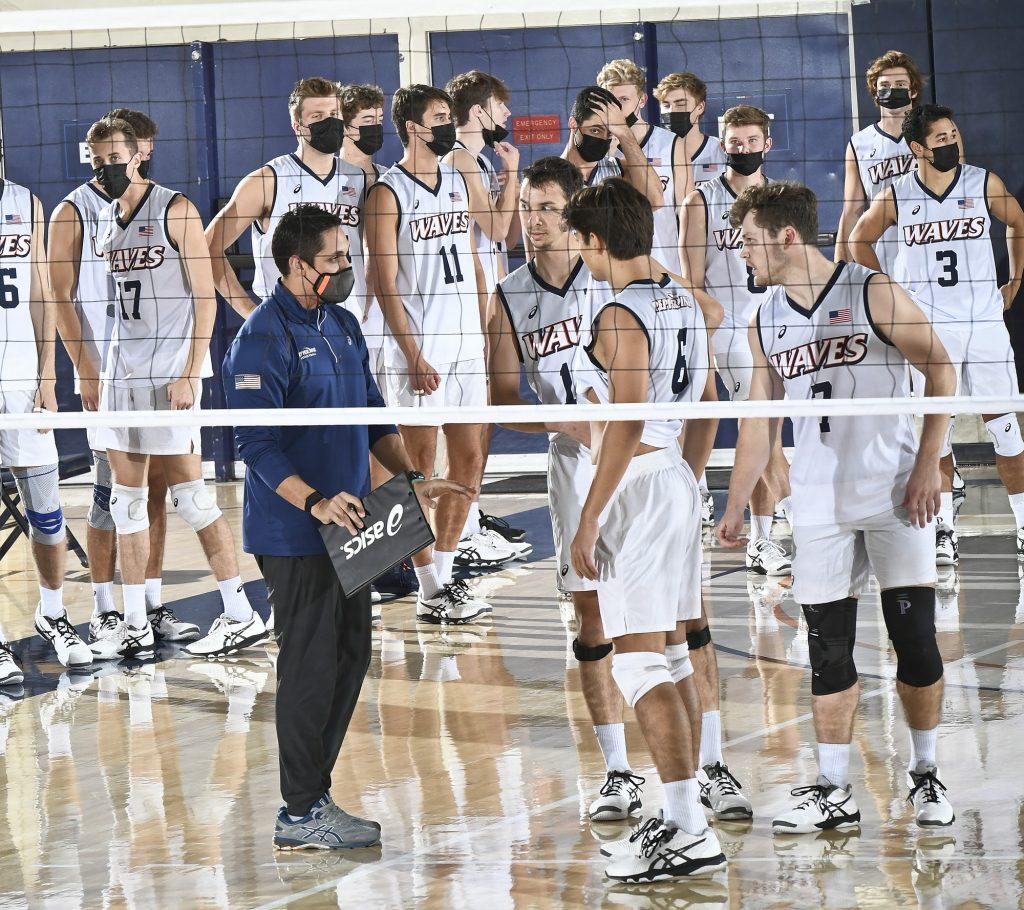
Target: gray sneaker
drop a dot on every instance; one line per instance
(322, 828)
(349, 818)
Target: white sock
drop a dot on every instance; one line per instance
(711, 738)
(472, 521)
(153, 594)
(612, 740)
(682, 805)
(760, 527)
(786, 504)
(922, 746)
(703, 482)
(443, 562)
(103, 598)
(52, 600)
(134, 597)
(1017, 504)
(834, 763)
(427, 577)
(946, 510)
(236, 604)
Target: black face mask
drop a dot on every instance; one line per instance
(113, 178)
(591, 148)
(893, 98)
(327, 135)
(333, 287)
(945, 157)
(145, 167)
(631, 119)
(498, 134)
(444, 139)
(745, 163)
(371, 138)
(677, 122)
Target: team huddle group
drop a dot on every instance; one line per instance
(657, 257)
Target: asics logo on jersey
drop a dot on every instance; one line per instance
(944, 231)
(782, 331)
(349, 214)
(565, 571)
(431, 226)
(843, 350)
(533, 312)
(298, 186)
(891, 167)
(135, 257)
(15, 246)
(729, 239)
(917, 209)
(559, 336)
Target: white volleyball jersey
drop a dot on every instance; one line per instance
(945, 254)
(154, 312)
(94, 288)
(546, 324)
(660, 147)
(19, 359)
(845, 469)
(605, 168)
(372, 324)
(436, 277)
(881, 159)
(342, 191)
(492, 256)
(727, 277)
(708, 161)
(678, 350)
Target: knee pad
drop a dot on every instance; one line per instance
(195, 504)
(37, 488)
(831, 634)
(1005, 433)
(910, 621)
(699, 639)
(637, 672)
(679, 664)
(584, 653)
(99, 512)
(129, 507)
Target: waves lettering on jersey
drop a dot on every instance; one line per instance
(821, 354)
(890, 167)
(349, 214)
(944, 231)
(729, 239)
(135, 257)
(15, 246)
(551, 339)
(431, 226)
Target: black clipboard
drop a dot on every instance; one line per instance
(394, 528)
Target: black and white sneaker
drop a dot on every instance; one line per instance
(707, 509)
(136, 643)
(947, 550)
(229, 636)
(167, 626)
(502, 527)
(106, 635)
(619, 797)
(720, 792)
(932, 809)
(1020, 544)
(959, 492)
(71, 650)
(765, 557)
(667, 852)
(10, 673)
(452, 605)
(824, 807)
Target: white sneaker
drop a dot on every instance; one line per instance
(823, 807)
(668, 852)
(167, 626)
(720, 792)
(520, 548)
(106, 634)
(452, 605)
(619, 797)
(707, 508)
(631, 843)
(947, 551)
(71, 650)
(136, 643)
(1020, 543)
(483, 551)
(959, 492)
(932, 809)
(766, 557)
(228, 636)
(10, 672)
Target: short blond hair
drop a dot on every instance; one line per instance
(688, 82)
(622, 72)
(747, 115)
(106, 128)
(312, 87)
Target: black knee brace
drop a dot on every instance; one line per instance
(831, 634)
(910, 620)
(590, 652)
(699, 639)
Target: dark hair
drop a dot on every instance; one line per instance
(779, 205)
(617, 213)
(918, 120)
(583, 107)
(553, 169)
(411, 103)
(142, 125)
(474, 87)
(357, 98)
(300, 232)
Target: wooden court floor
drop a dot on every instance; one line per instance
(156, 786)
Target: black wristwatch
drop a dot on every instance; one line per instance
(414, 476)
(311, 500)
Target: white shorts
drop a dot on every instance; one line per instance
(733, 360)
(982, 356)
(652, 533)
(24, 448)
(463, 385)
(144, 440)
(832, 562)
(570, 472)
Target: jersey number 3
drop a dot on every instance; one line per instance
(949, 276)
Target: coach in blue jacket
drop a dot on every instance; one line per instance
(298, 349)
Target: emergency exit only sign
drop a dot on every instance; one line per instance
(537, 129)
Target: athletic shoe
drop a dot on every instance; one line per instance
(452, 605)
(668, 852)
(228, 636)
(136, 643)
(482, 551)
(520, 549)
(71, 650)
(947, 553)
(397, 582)
(766, 557)
(630, 845)
(619, 797)
(106, 634)
(10, 672)
(932, 809)
(707, 508)
(502, 527)
(167, 626)
(349, 817)
(824, 807)
(720, 792)
(959, 492)
(1020, 543)
(321, 829)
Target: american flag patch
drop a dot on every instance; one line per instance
(146, 230)
(247, 381)
(655, 161)
(840, 316)
(967, 203)
(709, 167)
(348, 191)
(12, 219)
(455, 197)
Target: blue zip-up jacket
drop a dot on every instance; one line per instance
(286, 356)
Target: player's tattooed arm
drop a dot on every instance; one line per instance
(853, 205)
(693, 238)
(881, 214)
(43, 317)
(1004, 206)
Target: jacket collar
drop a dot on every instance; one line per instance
(294, 310)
